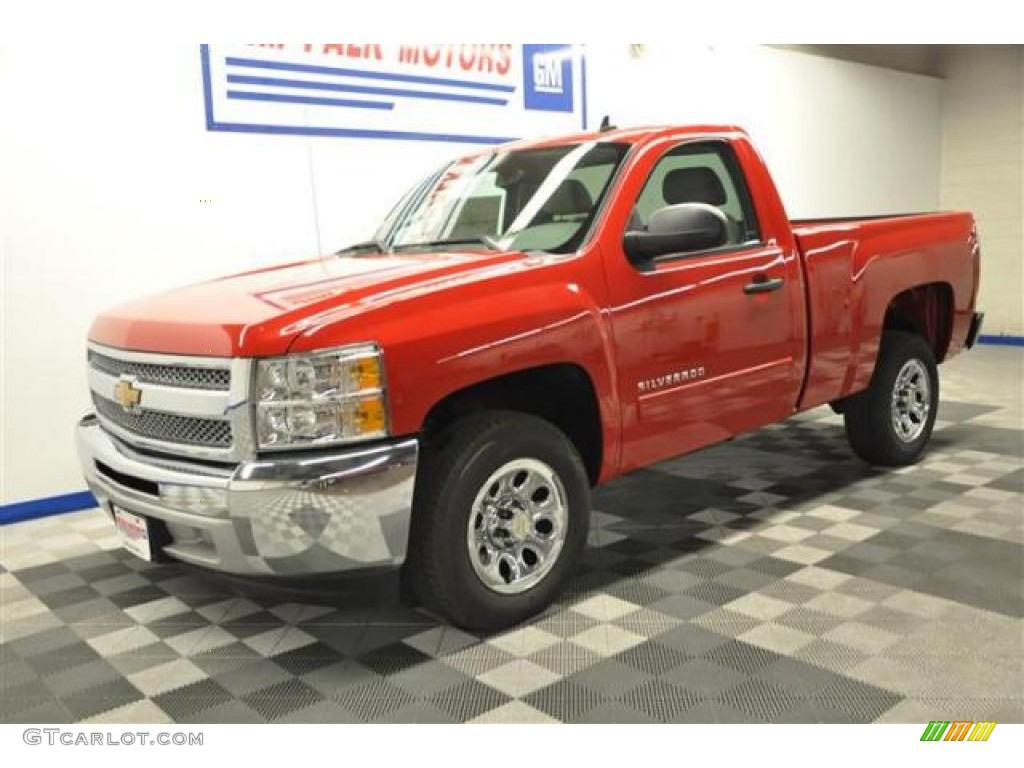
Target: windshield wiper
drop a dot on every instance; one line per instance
(487, 240)
(370, 246)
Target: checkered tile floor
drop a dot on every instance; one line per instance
(775, 579)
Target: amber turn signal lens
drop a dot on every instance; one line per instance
(371, 416)
(365, 374)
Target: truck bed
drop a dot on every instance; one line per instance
(853, 266)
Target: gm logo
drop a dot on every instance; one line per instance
(547, 73)
(547, 77)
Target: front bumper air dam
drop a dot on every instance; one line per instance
(302, 515)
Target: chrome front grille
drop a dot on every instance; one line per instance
(178, 405)
(166, 427)
(186, 376)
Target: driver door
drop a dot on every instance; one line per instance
(705, 351)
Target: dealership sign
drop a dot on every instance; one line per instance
(478, 93)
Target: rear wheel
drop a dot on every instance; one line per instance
(500, 518)
(891, 421)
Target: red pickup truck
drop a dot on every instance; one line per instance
(528, 322)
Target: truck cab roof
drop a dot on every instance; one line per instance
(634, 135)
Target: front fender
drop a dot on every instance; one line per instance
(543, 312)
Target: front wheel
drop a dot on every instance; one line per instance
(891, 421)
(500, 518)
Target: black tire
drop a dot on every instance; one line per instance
(454, 468)
(868, 415)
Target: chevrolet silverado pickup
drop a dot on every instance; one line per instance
(528, 322)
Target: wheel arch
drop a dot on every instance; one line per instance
(926, 310)
(563, 394)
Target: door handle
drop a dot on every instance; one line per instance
(763, 284)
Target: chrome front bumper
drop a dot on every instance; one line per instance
(294, 516)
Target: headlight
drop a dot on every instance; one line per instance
(322, 398)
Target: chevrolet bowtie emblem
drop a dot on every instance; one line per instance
(127, 395)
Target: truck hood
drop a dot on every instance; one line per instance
(259, 313)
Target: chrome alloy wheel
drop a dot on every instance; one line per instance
(911, 401)
(517, 526)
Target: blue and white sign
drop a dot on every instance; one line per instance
(476, 93)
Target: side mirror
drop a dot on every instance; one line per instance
(678, 229)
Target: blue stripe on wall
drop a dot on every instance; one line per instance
(51, 505)
(1011, 341)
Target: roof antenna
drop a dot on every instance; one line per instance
(606, 124)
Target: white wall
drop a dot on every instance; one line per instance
(841, 139)
(983, 169)
(107, 168)
(105, 165)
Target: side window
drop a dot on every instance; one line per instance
(700, 173)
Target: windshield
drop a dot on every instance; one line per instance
(529, 200)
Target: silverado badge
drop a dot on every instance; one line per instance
(127, 395)
(670, 379)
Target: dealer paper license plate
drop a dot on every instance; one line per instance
(134, 533)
